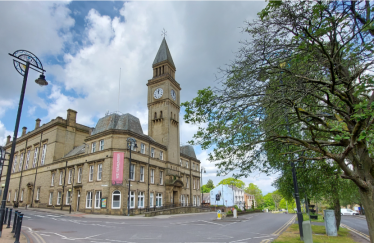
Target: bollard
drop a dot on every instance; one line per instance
(330, 222)
(6, 215)
(14, 221)
(18, 229)
(10, 216)
(235, 214)
(307, 232)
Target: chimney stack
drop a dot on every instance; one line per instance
(24, 130)
(91, 130)
(37, 123)
(71, 118)
(8, 139)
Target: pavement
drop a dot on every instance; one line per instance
(7, 236)
(45, 225)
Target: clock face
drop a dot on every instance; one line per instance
(158, 93)
(173, 95)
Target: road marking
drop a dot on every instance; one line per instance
(277, 232)
(44, 234)
(365, 236)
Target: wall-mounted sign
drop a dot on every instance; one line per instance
(103, 202)
(117, 168)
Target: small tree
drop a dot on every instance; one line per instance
(232, 181)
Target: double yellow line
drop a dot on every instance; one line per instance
(277, 232)
(365, 236)
(266, 241)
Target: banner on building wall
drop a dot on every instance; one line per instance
(117, 169)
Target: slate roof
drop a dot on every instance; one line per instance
(188, 150)
(163, 54)
(77, 150)
(122, 122)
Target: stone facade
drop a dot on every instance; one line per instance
(63, 163)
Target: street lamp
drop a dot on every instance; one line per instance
(201, 175)
(24, 60)
(131, 143)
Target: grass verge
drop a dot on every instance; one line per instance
(291, 235)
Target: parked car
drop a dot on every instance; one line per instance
(345, 211)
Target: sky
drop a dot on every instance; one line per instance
(90, 49)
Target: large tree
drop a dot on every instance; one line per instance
(303, 81)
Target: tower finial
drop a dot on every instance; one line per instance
(164, 32)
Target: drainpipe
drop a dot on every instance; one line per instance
(63, 188)
(149, 158)
(36, 169)
(191, 178)
(20, 179)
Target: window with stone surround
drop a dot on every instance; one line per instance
(70, 175)
(142, 148)
(101, 145)
(60, 181)
(14, 164)
(91, 172)
(99, 171)
(132, 199)
(35, 157)
(37, 194)
(50, 198)
(151, 199)
(93, 147)
(53, 179)
(142, 173)
(97, 199)
(141, 200)
(27, 159)
(89, 200)
(116, 200)
(152, 152)
(58, 198)
(44, 152)
(161, 177)
(161, 155)
(68, 195)
(79, 174)
(158, 200)
(132, 172)
(20, 162)
(152, 176)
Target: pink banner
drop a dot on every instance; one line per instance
(117, 170)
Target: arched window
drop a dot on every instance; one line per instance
(155, 115)
(116, 199)
(160, 114)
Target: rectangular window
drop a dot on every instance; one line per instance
(9, 195)
(151, 199)
(60, 181)
(193, 166)
(15, 195)
(22, 195)
(53, 179)
(142, 173)
(187, 183)
(89, 200)
(20, 162)
(161, 155)
(186, 164)
(142, 148)
(58, 198)
(79, 174)
(14, 164)
(194, 200)
(27, 160)
(194, 183)
(181, 162)
(68, 195)
(35, 157)
(43, 154)
(70, 176)
(50, 198)
(97, 199)
(182, 200)
(90, 176)
(37, 193)
(152, 176)
(161, 177)
(93, 147)
(101, 144)
(99, 171)
(158, 199)
(152, 152)
(132, 199)
(141, 200)
(132, 170)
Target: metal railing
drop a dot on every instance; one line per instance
(17, 222)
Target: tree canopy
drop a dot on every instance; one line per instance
(256, 192)
(232, 181)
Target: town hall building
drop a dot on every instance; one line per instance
(63, 164)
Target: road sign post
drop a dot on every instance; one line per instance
(219, 216)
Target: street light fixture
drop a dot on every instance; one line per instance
(131, 142)
(24, 60)
(201, 174)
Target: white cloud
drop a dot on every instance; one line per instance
(3, 134)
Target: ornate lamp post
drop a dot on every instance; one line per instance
(2, 159)
(201, 175)
(131, 143)
(24, 60)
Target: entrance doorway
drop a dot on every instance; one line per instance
(78, 199)
(175, 197)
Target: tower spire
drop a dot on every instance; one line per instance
(163, 54)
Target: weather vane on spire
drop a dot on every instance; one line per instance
(164, 32)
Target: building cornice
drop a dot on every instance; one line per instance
(164, 77)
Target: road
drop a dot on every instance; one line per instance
(45, 227)
(357, 224)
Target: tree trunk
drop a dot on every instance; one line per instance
(367, 198)
(338, 215)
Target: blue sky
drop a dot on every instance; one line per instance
(83, 45)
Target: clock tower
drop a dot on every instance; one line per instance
(164, 104)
